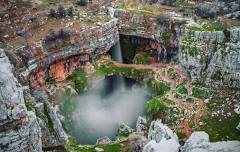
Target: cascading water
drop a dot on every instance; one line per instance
(117, 56)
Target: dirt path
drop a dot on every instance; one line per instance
(194, 111)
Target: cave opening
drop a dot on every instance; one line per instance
(141, 50)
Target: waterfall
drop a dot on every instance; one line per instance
(117, 56)
(117, 53)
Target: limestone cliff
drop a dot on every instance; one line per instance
(20, 130)
(212, 57)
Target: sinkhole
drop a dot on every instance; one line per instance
(112, 100)
(99, 110)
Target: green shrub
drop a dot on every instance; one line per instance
(80, 80)
(165, 37)
(184, 4)
(142, 58)
(158, 87)
(182, 89)
(156, 107)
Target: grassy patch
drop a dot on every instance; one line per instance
(182, 89)
(142, 58)
(73, 147)
(80, 80)
(172, 74)
(157, 107)
(217, 76)
(221, 129)
(201, 92)
(209, 26)
(111, 69)
(158, 87)
(181, 135)
(165, 37)
(69, 105)
(184, 4)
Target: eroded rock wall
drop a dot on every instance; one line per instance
(160, 30)
(212, 57)
(36, 63)
(20, 130)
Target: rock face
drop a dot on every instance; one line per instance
(165, 146)
(162, 138)
(20, 130)
(124, 129)
(141, 126)
(53, 134)
(212, 57)
(206, 10)
(159, 131)
(137, 142)
(199, 141)
(47, 60)
(160, 31)
(231, 8)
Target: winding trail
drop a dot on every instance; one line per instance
(194, 111)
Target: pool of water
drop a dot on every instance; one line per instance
(99, 111)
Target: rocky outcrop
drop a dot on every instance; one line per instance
(159, 131)
(162, 138)
(124, 129)
(169, 145)
(142, 126)
(230, 8)
(206, 10)
(137, 142)
(199, 141)
(61, 136)
(212, 57)
(20, 130)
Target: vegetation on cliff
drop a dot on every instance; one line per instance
(72, 146)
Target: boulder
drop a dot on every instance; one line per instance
(141, 126)
(124, 129)
(97, 149)
(206, 10)
(199, 141)
(137, 142)
(165, 145)
(159, 131)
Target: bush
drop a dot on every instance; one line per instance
(142, 58)
(82, 2)
(70, 11)
(157, 107)
(52, 13)
(62, 34)
(182, 89)
(61, 11)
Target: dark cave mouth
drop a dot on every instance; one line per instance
(135, 47)
(99, 110)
